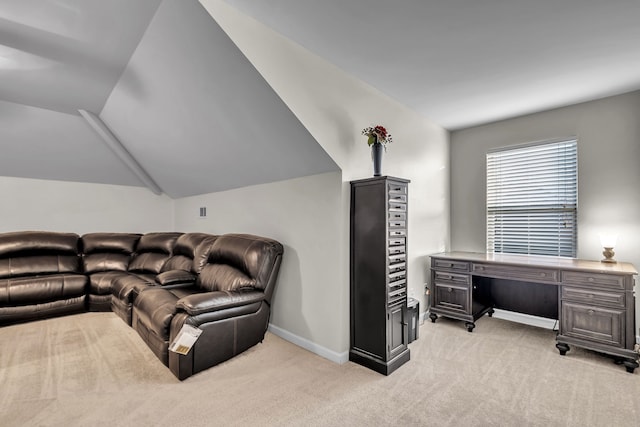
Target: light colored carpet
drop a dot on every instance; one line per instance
(92, 370)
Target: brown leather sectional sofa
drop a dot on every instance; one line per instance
(156, 282)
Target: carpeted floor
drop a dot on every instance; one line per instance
(93, 370)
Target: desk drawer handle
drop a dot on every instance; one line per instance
(480, 268)
(450, 290)
(591, 279)
(591, 312)
(543, 274)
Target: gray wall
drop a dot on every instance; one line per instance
(608, 132)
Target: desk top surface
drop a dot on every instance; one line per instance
(541, 261)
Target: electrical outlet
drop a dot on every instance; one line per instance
(203, 212)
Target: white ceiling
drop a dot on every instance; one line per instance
(167, 82)
(459, 63)
(466, 62)
(66, 55)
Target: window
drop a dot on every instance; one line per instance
(532, 199)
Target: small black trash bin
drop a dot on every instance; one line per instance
(413, 313)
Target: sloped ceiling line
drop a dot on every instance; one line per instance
(116, 146)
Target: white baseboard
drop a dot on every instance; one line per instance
(309, 345)
(527, 319)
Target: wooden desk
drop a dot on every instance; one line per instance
(595, 301)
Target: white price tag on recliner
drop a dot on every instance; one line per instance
(185, 339)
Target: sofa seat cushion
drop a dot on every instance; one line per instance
(40, 289)
(154, 308)
(101, 283)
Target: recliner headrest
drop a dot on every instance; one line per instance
(188, 248)
(124, 243)
(251, 256)
(27, 243)
(157, 242)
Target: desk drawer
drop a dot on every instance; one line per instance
(593, 279)
(527, 274)
(450, 265)
(452, 298)
(459, 279)
(597, 324)
(595, 297)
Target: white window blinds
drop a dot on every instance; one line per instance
(532, 199)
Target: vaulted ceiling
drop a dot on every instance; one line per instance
(189, 107)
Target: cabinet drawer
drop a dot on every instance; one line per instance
(459, 279)
(397, 207)
(398, 233)
(397, 188)
(594, 297)
(397, 216)
(593, 323)
(396, 241)
(399, 266)
(394, 250)
(397, 275)
(394, 197)
(397, 258)
(452, 298)
(529, 274)
(397, 224)
(592, 279)
(450, 265)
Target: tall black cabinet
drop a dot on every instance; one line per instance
(378, 312)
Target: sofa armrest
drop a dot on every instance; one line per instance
(175, 277)
(218, 300)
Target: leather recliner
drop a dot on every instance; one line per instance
(188, 248)
(229, 301)
(40, 275)
(105, 256)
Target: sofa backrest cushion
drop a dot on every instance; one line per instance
(26, 253)
(223, 277)
(19, 243)
(239, 261)
(152, 252)
(186, 249)
(108, 251)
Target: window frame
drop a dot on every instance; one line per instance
(533, 219)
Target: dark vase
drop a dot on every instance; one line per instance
(376, 156)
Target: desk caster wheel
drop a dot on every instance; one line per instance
(490, 312)
(433, 317)
(562, 348)
(470, 326)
